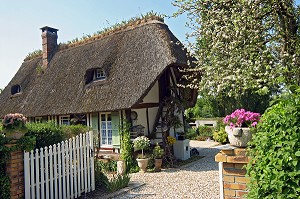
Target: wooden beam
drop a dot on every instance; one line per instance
(145, 105)
(147, 114)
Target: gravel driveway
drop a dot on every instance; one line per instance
(198, 180)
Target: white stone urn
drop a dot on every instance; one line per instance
(143, 163)
(121, 167)
(238, 136)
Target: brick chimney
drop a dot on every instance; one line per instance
(49, 43)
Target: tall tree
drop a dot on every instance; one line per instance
(244, 46)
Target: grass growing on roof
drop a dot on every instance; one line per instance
(86, 38)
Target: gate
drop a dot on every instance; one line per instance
(64, 170)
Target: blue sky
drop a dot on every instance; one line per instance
(21, 20)
(20, 23)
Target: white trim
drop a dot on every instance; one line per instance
(221, 180)
(38, 119)
(62, 118)
(100, 127)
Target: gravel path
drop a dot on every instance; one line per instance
(199, 180)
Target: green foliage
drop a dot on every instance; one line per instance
(117, 182)
(5, 186)
(110, 166)
(191, 134)
(275, 166)
(208, 106)
(204, 132)
(243, 46)
(201, 133)
(111, 185)
(46, 134)
(101, 180)
(4, 157)
(158, 152)
(103, 32)
(220, 136)
(27, 143)
(74, 130)
(126, 147)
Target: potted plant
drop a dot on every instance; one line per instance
(141, 143)
(238, 125)
(14, 125)
(158, 153)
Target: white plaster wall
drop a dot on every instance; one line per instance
(153, 95)
(206, 122)
(141, 119)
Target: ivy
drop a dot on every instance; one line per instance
(275, 166)
(127, 147)
(4, 157)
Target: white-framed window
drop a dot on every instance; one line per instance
(38, 119)
(64, 120)
(99, 74)
(106, 129)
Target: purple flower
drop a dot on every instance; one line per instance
(241, 117)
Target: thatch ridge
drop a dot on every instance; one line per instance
(118, 27)
(134, 59)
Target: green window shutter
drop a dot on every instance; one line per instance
(115, 129)
(95, 121)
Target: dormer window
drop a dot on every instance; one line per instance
(99, 74)
(16, 89)
(94, 74)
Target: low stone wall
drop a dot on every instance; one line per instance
(233, 184)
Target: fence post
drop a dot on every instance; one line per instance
(15, 172)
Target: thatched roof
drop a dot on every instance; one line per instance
(133, 59)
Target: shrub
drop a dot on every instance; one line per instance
(204, 132)
(117, 182)
(46, 133)
(110, 166)
(158, 152)
(101, 180)
(191, 134)
(127, 148)
(141, 143)
(73, 130)
(220, 136)
(275, 167)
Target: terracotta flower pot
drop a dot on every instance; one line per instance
(239, 136)
(158, 163)
(143, 163)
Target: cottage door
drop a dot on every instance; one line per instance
(106, 129)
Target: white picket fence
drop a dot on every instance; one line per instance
(65, 170)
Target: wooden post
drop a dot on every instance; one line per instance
(15, 172)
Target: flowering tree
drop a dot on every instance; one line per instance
(242, 45)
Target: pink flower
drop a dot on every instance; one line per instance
(241, 117)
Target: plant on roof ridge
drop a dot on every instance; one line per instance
(86, 38)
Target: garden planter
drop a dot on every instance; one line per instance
(15, 133)
(143, 163)
(158, 163)
(121, 167)
(238, 136)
